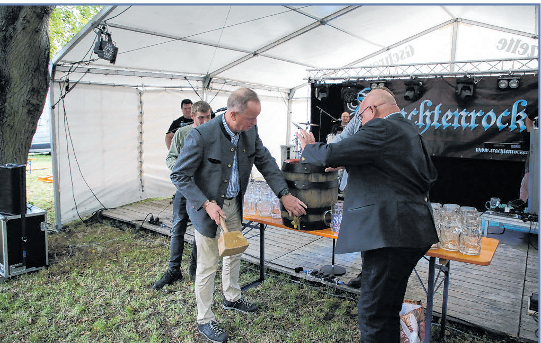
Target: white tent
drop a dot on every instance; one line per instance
(109, 120)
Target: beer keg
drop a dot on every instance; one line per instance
(313, 186)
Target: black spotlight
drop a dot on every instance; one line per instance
(105, 48)
(349, 93)
(321, 92)
(414, 89)
(465, 87)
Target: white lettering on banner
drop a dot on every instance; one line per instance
(515, 46)
(425, 118)
(395, 57)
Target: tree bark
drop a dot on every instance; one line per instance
(24, 77)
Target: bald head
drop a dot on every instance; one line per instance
(378, 104)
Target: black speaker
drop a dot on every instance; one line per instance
(12, 188)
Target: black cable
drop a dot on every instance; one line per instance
(185, 78)
(75, 157)
(105, 21)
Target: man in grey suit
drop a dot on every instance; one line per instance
(387, 215)
(212, 172)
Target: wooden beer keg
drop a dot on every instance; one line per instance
(313, 186)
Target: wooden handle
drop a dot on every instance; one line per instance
(222, 221)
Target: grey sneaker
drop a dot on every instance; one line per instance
(168, 278)
(240, 305)
(213, 332)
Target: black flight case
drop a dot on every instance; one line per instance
(23, 242)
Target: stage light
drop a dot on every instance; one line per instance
(414, 89)
(379, 84)
(508, 81)
(465, 88)
(105, 48)
(321, 92)
(349, 94)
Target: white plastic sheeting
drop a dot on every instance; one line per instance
(118, 113)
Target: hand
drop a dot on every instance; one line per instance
(331, 169)
(305, 138)
(293, 205)
(215, 212)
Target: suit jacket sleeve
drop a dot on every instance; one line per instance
(186, 166)
(365, 145)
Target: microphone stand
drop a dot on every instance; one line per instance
(320, 126)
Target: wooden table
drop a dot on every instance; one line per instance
(277, 222)
(488, 248)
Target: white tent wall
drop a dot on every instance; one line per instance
(160, 108)
(124, 161)
(101, 162)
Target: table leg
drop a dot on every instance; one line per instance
(261, 259)
(429, 299)
(445, 297)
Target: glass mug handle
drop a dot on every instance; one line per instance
(328, 217)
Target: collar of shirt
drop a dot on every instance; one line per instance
(234, 136)
(388, 115)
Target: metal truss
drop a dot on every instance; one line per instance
(470, 68)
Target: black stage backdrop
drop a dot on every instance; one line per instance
(478, 145)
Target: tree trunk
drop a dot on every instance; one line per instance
(24, 77)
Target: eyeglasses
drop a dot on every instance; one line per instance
(361, 114)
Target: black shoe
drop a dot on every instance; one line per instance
(168, 278)
(355, 283)
(213, 332)
(193, 269)
(240, 305)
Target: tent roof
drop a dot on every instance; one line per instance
(274, 46)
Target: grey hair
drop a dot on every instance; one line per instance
(238, 99)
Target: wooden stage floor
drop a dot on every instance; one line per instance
(493, 297)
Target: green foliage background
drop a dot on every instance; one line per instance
(66, 21)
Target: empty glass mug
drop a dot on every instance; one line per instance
(450, 228)
(471, 233)
(436, 211)
(493, 204)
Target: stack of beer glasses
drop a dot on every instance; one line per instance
(436, 211)
(450, 227)
(250, 199)
(470, 235)
(264, 205)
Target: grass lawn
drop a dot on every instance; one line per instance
(98, 289)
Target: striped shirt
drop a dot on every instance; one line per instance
(233, 187)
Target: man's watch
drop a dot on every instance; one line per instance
(283, 192)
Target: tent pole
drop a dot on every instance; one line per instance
(453, 46)
(54, 158)
(288, 120)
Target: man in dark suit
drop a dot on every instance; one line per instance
(387, 215)
(212, 172)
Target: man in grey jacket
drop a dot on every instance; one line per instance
(213, 172)
(387, 215)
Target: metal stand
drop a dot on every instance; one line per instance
(261, 259)
(333, 269)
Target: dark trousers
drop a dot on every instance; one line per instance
(180, 222)
(384, 278)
